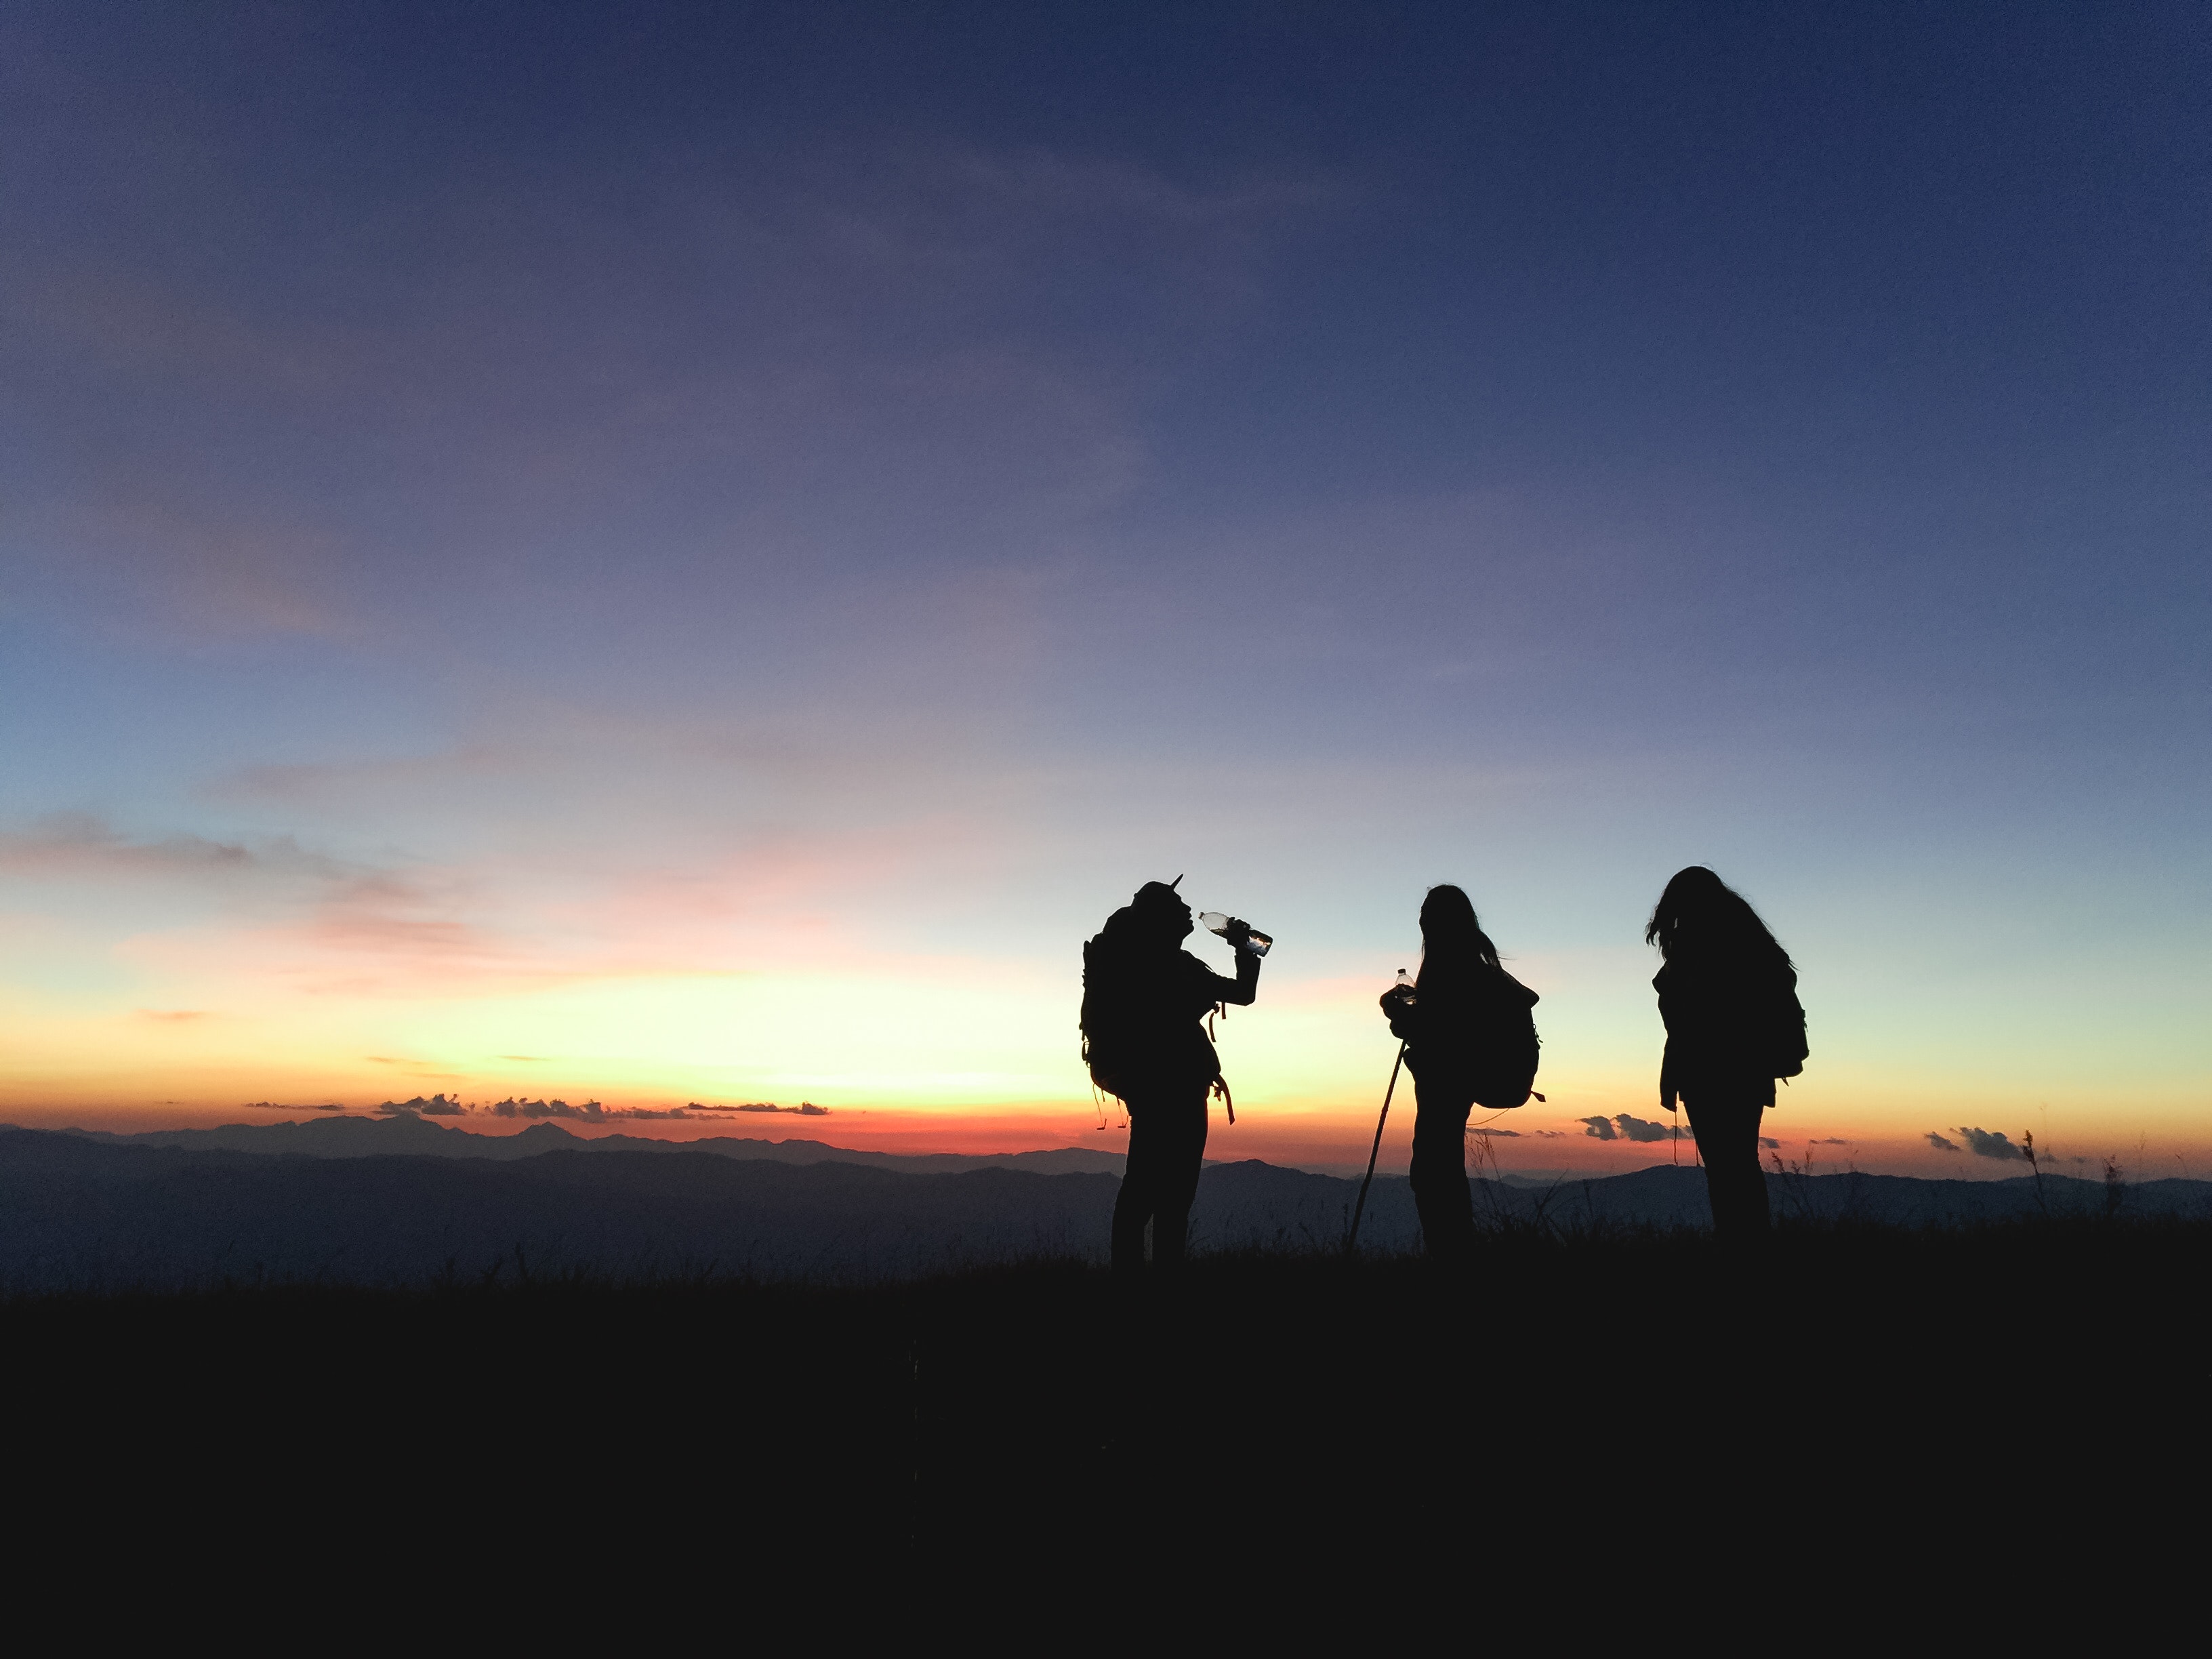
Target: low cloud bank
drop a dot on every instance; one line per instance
(1982, 1144)
(589, 1111)
(1621, 1126)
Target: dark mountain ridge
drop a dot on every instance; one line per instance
(84, 1212)
(403, 1132)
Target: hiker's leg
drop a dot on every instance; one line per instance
(1727, 1128)
(1184, 1157)
(1439, 1177)
(1134, 1204)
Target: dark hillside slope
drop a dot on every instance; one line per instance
(76, 1212)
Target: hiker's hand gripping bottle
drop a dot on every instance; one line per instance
(1215, 922)
(1398, 999)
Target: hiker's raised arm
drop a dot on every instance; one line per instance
(1239, 991)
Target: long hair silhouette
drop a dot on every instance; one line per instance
(1452, 939)
(1700, 916)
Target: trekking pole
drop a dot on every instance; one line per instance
(1351, 1239)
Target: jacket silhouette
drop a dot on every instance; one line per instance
(1470, 1040)
(1727, 995)
(1144, 997)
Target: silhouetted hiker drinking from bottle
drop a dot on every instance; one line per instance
(1728, 996)
(1144, 997)
(1470, 1040)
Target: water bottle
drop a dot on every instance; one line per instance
(1404, 987)
(1215, 922)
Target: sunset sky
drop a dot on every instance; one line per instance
(654, 554)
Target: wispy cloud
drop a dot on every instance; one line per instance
(857, 350)
(80, 844)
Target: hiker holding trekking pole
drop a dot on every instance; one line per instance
(1143, 998)
(1469, 1041)
(1728, 994)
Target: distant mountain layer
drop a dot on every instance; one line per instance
(90, 1212)
(406, 1133)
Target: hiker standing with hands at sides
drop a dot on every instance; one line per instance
(1728, 996)
(1470, 1040)
(1144, 997)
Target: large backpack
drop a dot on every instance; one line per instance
(1107, 1017)
(1136, 1033)
(1514, 1050)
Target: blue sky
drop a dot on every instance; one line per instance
(837, 495)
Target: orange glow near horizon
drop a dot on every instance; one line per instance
(1536, 1138)
(746, 988)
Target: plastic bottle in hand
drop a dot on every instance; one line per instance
(1214, 921)
(1404, 987)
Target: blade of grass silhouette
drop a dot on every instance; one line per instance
(1352, 1238)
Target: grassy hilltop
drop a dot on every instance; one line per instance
(1040, 1407)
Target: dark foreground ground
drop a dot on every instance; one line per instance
(1624, 1396)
